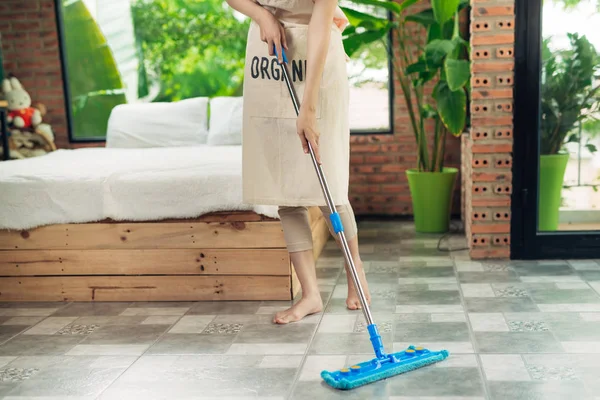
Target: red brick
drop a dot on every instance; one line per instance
(483, 94)
(357, 159)
(395, 189)
(493, 11)
(365, 169)
(393, 168)
(492, 148)
(378, 159)
(481, 240)
(355, 178)
(501, 240)
(364, 189)
(486, 67)
(365, 148)
(491, 253)
(492, 121)
(492, 177)
(491, 202)
(479, 40)
(382, 178)
(490, 228)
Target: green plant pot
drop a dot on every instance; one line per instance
(552, 175)
(432, 199)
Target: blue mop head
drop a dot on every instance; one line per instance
(382, 368)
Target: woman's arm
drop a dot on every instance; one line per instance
(271, 31)
(319, 34)
(248, 8)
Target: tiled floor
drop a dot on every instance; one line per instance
(515, 331)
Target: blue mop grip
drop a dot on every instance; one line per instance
(336, 222)
(285, 60)
(376, 341)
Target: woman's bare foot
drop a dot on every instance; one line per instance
(353, 302)
(306, 306)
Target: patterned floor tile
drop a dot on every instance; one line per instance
(510, 291)
(77, 329)
(542, 373)
(222, 329)
(16, 374)
(528, 326)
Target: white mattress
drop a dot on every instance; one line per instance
(86, 185)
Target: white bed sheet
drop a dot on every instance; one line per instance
(86, 185)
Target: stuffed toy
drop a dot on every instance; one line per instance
(20, 113)
(28, 136)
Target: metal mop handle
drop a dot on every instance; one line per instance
(334, 216)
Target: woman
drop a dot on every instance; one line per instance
(276, 170)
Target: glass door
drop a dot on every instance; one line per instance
(556, 201)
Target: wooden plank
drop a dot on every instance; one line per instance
(223, 216)
(145, 288)
(145, 262)
(147, 235)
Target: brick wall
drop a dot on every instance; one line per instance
(31, 52)
(487, 161)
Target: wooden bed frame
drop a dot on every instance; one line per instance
(220, 256)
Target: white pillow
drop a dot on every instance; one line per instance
(177, 124)
(225, 127)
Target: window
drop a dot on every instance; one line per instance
(127, 51)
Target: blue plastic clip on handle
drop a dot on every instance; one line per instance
(336, 222)
(285, 60)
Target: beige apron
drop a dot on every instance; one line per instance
(276, 171)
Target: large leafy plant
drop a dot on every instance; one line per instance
(570, 93)
(420, 62)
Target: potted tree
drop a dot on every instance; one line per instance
(435, 62)
(569, 99)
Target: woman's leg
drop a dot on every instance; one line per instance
(298, 237)
(351, 232)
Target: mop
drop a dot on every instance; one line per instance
(383, 365)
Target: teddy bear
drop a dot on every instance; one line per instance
(20, 113)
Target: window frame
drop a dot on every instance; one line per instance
(67, 90)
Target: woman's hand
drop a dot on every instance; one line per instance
(306, 126)
(272, 33)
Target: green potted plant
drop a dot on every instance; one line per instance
(569, 99)
(435, 61)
